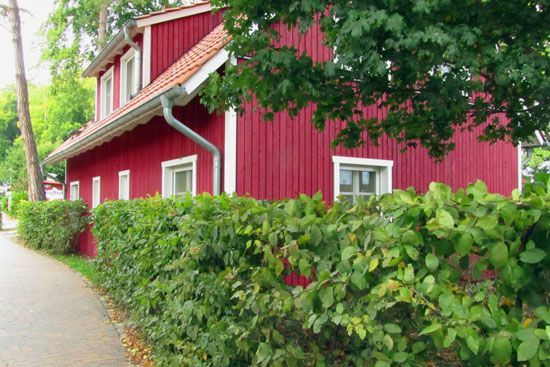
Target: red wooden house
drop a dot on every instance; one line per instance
(151, 135)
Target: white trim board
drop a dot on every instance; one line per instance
(176, 14)
(71, 185)
(146, 58)
(166, 165)
(384, 166)
(520, 168)
(123, 76)
(96, 201)
(127, 174)
(230, 148)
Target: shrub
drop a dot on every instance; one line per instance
(52, 226)
(3, 203)
(393, 278)
(17, 199)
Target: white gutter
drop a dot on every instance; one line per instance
(138, 112)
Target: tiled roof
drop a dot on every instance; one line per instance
(176, 74)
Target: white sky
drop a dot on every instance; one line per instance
(35, 15)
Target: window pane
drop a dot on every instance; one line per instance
(108, 96)
(129, 79)
(367, 182)
(95, 193)
(182, 182)
(346, 182)
(123, 187)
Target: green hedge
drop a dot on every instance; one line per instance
(203, 278)
(17, 200)
(53, 226)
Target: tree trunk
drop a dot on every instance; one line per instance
(102, 30)
(36, 185)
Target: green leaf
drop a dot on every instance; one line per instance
(464, 244)
(502, 351)
(348, 252)
(412, 252)
(264, 353)
(430, 329)
(316, 235)
(326, 295)
(318, 324)
(373, 265)
(358, 280)
(449, 338)
(392, 328)
(408, 275)
(400, 357)
(418, 347)
(488, 222)
(532, 256)
(473, 343)
(432, 262)
(305, 267)
(498, 255)
(388, 341)
(445, 219)
(528, 349)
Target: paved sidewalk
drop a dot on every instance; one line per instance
(49, 316)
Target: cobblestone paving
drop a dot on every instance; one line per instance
(48, 314)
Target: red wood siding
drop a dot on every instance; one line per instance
(141, 151)
(170, 40)
(288, 157)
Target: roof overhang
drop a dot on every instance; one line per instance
(144, 112)
(114, 48)
(173, 13)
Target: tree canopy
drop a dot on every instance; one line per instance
(72, 29)
(439, 66)
(55, 113)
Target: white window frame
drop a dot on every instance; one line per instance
(96, 200)
(72, 195)
(120, 175)
(106, 76)
(130, 54)
(174, 165)
(381, 166)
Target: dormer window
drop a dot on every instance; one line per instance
(107, 93)
(127, 76)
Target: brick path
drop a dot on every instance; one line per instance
(48, 315)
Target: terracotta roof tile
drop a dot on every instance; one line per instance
(176, 74)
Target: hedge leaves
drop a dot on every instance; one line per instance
(404, 279)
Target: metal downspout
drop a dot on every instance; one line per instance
(167, 101)
(128, 37)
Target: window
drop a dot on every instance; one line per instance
(107, 93)
(179, 176)
(96, 191)
(74, 193)
(354, 177)
(128, 75)
(124, 185)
